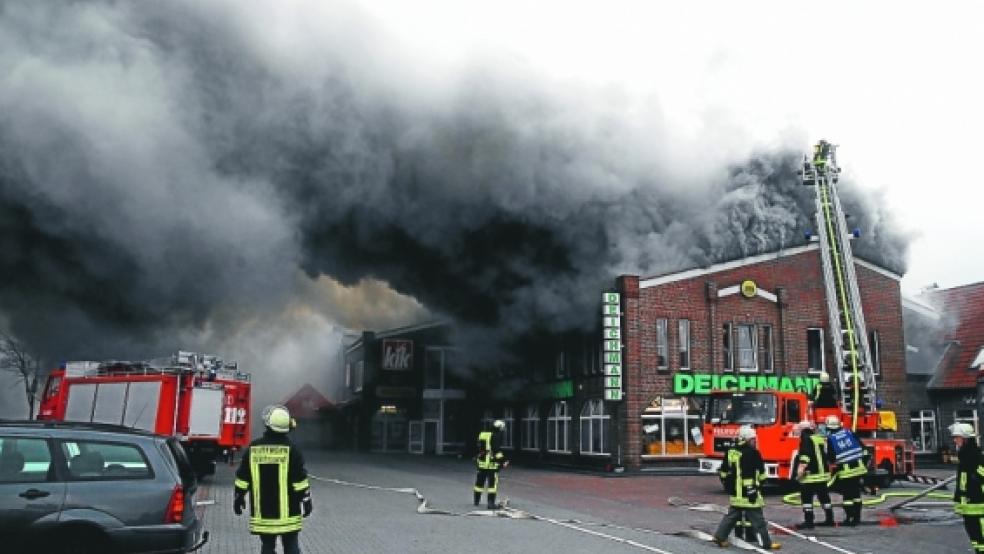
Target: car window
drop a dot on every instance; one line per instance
(88, 460)
(185, 468)
(24, 460)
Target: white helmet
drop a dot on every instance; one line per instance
(964, 430)
(277, 418)
(832, 422)
(824, 377)
(746, 433)
(499, 424)
(804, 425)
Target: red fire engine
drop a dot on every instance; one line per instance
(197, 398)
(774, 414)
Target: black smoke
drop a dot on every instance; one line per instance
(181, 170)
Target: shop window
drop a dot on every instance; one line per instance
(874, 345)
(726, 347)
(814, 350)
(967, 416)
(683, 332)
(923, 427)
(745, 343)
(507, 433)
(558, 423)
(671, 427)
(531, 428)
(765, 358)
(661, 344)
(594, 428)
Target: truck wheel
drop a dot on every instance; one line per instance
(886, 480)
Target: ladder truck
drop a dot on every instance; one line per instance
(774, 414)
(199, 399)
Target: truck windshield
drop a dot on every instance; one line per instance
(757, 408)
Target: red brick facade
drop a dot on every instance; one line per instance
(791, 300)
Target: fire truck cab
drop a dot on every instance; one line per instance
(199, 399)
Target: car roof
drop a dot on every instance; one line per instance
(69, 427)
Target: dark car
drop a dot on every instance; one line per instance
(90, 488)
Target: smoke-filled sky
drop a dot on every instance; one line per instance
(252, 181)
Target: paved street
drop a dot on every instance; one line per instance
(583, 513)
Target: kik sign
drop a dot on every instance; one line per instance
(704, 383)
(612, 344)
(398, 354)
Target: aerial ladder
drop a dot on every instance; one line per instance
(849, 336)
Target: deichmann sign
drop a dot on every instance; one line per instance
(704, 383)
(612, 344)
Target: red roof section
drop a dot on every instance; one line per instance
(963, 310)
(307, 402)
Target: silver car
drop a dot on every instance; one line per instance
(74, 488)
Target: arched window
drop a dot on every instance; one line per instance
(558, 423)
(594, 428)
(531, 428)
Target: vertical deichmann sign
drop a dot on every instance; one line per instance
(611, 342)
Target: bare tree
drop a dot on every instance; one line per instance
(15, 359)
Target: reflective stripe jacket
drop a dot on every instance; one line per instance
(969, 495)
(813, 454)
(743, 472)
(272, 471)
(490, 454)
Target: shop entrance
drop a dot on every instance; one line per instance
(389, 430)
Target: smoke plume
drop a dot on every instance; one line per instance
(186, 171)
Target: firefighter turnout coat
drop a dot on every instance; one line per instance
(969, 497)
(273, 472)
(490, 454)
(743, 472)
(813, 456)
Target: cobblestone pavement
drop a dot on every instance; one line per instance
(590, 513)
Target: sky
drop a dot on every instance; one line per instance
(253, 182)
(892, 83)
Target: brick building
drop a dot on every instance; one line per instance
(757, 322)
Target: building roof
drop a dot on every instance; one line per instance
(963, 308)
(307, 402)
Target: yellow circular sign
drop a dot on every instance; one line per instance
(748, 288)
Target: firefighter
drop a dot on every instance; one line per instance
(849, 467)
(744, 472)
(824, 396)
(272, 472)
(489, 460)
(812, 470)
(968, 497)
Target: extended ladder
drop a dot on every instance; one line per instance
(847, 329)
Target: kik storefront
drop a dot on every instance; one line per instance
(749, 325)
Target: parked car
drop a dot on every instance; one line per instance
(85, 488)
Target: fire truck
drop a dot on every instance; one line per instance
(775, 413)
(199, 399)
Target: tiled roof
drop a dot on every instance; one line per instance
(963, 311)
(307, 402)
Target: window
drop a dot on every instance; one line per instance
(671, 427)
(348, 374)
(560, 367)
(745, 344)
(102, 461)
(765, 360)
(24, 460)
(557, 424)
(594, 428)
(753, 408)
(487, 420)
(726, 347)
(360, 368)
(923, 426)
(507, 433)
(683, 328)
(531, 428)
(661, 344)
(814, 350)
(967, 416)
(875, 347)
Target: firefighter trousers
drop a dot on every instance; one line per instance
(819, 490)
(753, 515)
(974, 525)
(486, 481)
(850, 489)
(288, 540)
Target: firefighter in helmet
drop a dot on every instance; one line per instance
(743, 472)
(968, 498)
(812, 470)
(824, 395)
(489, 460)
(272, 472)
(849, 467)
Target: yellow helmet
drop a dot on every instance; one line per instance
(277, 419)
